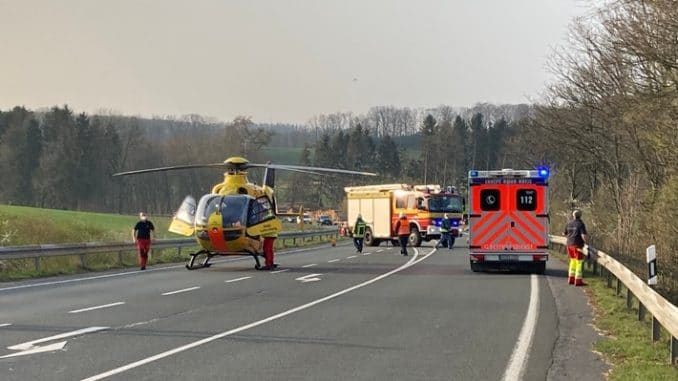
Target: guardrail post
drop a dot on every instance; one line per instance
(641, 311)
(595, 267)
(619, 286)
(655, 329)
(178, 251)
(120, 260)
(629, 298)
(609, 279)
(82, 261)
(37, 264)
(674, 351)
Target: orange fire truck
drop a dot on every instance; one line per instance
(424, 206)
(508, 219)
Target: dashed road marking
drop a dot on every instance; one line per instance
(333, 260)
(96, 307)
(380, 250)
(5, 325)
(351, 257)
(182, 290)
(238, 279)
(279, 271)
(309, 265)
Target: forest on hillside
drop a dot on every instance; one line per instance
(62, 159)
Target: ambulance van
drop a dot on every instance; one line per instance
(508, 219)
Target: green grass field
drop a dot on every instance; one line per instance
(627, 344)
(20, 225)
(283, 155)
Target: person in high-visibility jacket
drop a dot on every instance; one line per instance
(359, 233)
(402, 230)
(576, 234)
(446, 239)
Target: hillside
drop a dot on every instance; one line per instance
(21, 225)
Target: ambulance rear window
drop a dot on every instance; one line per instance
(526, 199)
(489, 199)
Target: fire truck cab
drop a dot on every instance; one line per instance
(508, 219)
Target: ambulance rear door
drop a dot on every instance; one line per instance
(528, 217)
(488, 220)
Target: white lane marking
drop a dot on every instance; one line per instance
(238, 279)
(351, 257)
(140, 272)
(521, 352)
(96, 307)
(367, 253)
(309, 278)
(380, 250)
(206, 340)
(180, 291)
(31, 344)
(279, 271)
(47, 348)
(333, 260)
(309, 265)
(5, 325)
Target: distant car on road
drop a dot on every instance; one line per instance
(307, 218)
(324, 220)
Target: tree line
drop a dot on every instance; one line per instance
(609, 122)
(58, 158)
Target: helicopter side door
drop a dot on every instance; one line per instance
(261, 219)
(183, 221)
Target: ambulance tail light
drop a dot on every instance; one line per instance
(478, 257)
(539, 257)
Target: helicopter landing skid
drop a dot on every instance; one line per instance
(205, 263)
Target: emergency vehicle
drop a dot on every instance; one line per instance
(424, 205)
(508, 219)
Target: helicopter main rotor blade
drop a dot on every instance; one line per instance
(171, 168)
(300, 168)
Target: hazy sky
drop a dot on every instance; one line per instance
(275, 60)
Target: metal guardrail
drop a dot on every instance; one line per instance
(663, 312)
(82, 249)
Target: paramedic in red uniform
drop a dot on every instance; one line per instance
(143, 236)
(402, 229)
(575, 231)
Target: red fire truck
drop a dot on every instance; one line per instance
(508, 219)
(424, 205)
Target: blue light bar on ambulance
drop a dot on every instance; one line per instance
(473, 173)
(543, 171)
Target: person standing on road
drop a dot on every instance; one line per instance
(576, 234)
(445, 235)
(402, 230)
(142, 234)
(359, 233)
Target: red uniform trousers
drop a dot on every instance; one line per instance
(143, 247)
(268, 251)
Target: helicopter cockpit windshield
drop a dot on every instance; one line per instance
(233, 209)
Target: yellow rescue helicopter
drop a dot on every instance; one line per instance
(232, 218)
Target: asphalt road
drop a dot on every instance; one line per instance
(329, 314)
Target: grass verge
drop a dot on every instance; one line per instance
(627, 344)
